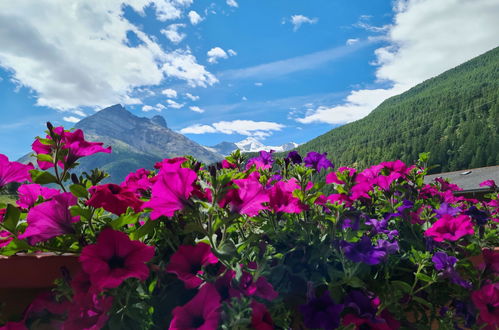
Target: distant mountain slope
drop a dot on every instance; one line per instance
(250, 145)
(137, 142)
(454, 116)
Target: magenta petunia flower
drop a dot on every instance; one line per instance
(79, 147)
(5, 236)
(29, 193)
(171, 191)
(50, 219)
(113, 198)
(247, 198)
(282, 199)
(88, 312)
(202, 312)
(13, 171)
(138, 181)
(450, 228)
(187, 262)
(260, 317)
(114, 258)
(333, 176)
(487, 301)
(227, 164)
(488, 183)
(170, 164)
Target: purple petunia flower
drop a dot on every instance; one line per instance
(321, 312)
(445, 264)
(293, 157)
(446, 209)
(361, 303)
(479, 216)
(318, 161)
(363, 251)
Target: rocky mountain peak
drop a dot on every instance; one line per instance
(159, 120)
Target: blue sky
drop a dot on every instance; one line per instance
(277, 70)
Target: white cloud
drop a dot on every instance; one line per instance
(191, 97)
(173, 104)
(299, 20)
(294, 64)
(71, 119)
(194, 17)
(158, 107)
(353, 41)
(171, 93)
(196, 109)
(244, 98)
(259, 84)
(172, 33)
(232, 3)
(92, 63)
(244, 127)
(425, 39)
(183, 65)
(217, 53)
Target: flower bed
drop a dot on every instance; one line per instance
(260, 244)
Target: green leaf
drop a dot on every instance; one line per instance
(355, 282)
(45, 158)
(145, 229)
(78, 190)
(42, 177)
(405, 287)
(422, 301)
(46, 141)
(14, 246)
(125, 219)
(11, 218)
(424, 278)
(79, 211)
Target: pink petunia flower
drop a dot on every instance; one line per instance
(187, 262)
(13, 171)
(29, 193)
(248, 198)
(487, 301)
(50, 219)
(114, 258)
(171, 191)
(281, 197)
(260, 317)
(227, 164)
(333, 176)
(450, 228)
(113, 198)
(202, 312)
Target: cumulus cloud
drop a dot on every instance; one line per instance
(259, 84)
(244, 127)
(217, 53)
(158, 107)
(92, 63)
(425, 39)
(299, 20)
(196, 109)
(171, 93)
(191, 97)
(174, 105)
(194, 17)
(232, 3)
(71, 119)
(172, 33)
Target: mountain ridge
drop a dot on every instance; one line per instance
(454, 116)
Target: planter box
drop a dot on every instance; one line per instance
(24, 276)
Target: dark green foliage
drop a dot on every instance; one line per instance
(454, 116)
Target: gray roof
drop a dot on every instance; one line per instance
(469, 180)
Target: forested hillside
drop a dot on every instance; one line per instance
(454, 116)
